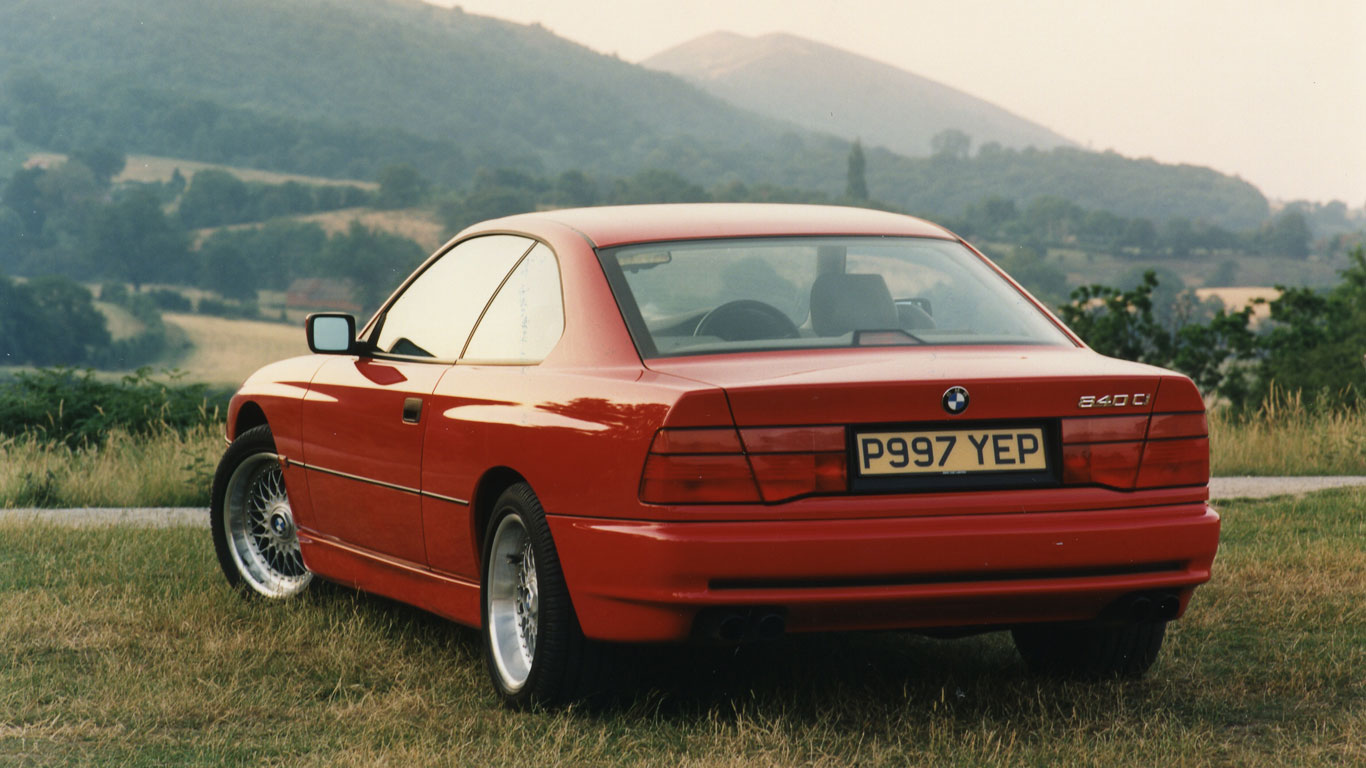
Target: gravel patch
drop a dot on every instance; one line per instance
(1263, 487)
(198, 517)
(148, 517)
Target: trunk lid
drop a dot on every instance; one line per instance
(895, 385)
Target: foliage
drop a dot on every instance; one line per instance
(856, 186)
(146, 347)
(134, 240)
(215, 198)
(376, 262)
(1317, 340)
(245, 310)
(400, 186)
(50, 320)
(477, 91)
(1031, 269)
(73, 408)
(1313, 346)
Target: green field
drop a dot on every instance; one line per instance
(124, 647)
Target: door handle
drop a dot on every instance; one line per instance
(412, 410)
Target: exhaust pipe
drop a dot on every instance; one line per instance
(1168, 607)
(770, 626)
(1141, 609)
(729, 626)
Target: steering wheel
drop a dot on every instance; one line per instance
(746, 320)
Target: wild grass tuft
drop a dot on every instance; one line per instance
(165, 468)
(1287, 437)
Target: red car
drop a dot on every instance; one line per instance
(722, 423)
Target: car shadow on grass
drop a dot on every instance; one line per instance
(803, 677)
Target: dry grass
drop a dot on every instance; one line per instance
(1234, 299)
(124, 647)
(1285, 438)
(147, 168)
(226, 351)
(167, 469)
(417, 224)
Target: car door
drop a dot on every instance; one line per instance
(494, 386)
(364, 416)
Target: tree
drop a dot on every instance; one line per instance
(856, 186)
(226, 270)
(657, 186)
(1285, 235)
(375, 262)
(400, 186)
(135, 240)
(1316, 341)
(76, 329)
(214, 197)
(104, 161)
(951, 143)
(575, 189)
(48, 321)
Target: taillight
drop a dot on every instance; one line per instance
(1128, 452)
(710, 465)
(794, 461)
(1177, 452)
(697, 466)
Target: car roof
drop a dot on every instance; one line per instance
(610, 226)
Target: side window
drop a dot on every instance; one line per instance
(434, 315)
(526, 318)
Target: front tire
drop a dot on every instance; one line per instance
(252, 523)
(1090, 651)
(535, 651)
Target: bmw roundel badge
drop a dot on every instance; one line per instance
(955, 400)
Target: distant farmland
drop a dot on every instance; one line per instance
(227, 351)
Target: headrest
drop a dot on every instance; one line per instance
(841, 303)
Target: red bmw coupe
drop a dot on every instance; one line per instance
(722, 423)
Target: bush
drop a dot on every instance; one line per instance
(170, 301)
(210, 306)
(61, 405)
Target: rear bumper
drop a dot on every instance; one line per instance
(645, 581)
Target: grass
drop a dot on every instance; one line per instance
(125, 647)
(129, 471)
(1285, 438)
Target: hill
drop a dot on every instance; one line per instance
(824, 88)
(342, 88)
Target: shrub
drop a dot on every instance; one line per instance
(61, 405)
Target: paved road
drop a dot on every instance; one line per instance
(165, 517)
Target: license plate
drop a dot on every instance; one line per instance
(957, 451)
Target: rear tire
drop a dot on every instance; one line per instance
(1092, 651)
(534, 649)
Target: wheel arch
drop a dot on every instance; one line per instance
(491, 485)
(249, 415)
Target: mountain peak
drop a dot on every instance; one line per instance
(829, 89)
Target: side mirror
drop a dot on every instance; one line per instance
(331, 333)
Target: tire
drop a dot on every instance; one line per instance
(252, 524)
(534, 649)
(1091, 651)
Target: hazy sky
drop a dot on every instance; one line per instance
(1272, 91)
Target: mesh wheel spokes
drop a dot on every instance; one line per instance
(513, 602)
(260, 528)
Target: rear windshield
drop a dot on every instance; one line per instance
(710, 296)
